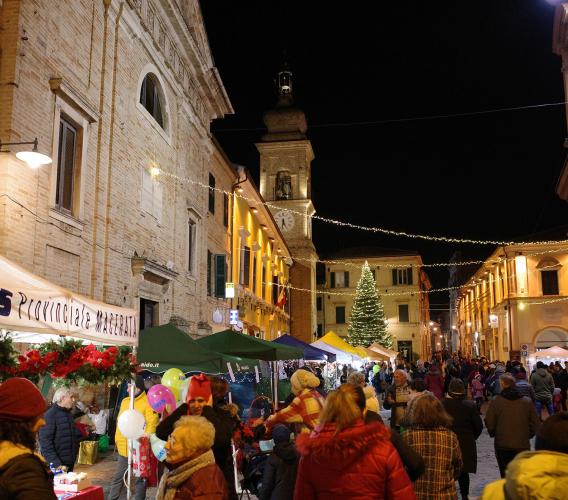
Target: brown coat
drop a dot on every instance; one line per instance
(200, 478)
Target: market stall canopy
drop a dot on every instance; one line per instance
(554, 352)
(375, 346)
(238, 344)
(29, 303)
(166, 346)
(310, 352)
(332, 342)
(373, 355)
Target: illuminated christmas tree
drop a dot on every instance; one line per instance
(367, 323)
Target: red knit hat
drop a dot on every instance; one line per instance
(199, 387)
(20, 400)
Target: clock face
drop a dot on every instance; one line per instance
(285, 220)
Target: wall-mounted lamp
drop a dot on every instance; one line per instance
(32, 158)
(254, 210)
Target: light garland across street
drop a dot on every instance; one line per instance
(445, 239)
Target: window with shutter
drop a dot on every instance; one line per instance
(549, 282)
(403, 313)
(409, 276)
(66, 160)
(395, 276)
(275, 291)
(209, 272)
(264, 285)
(254, 274)
(191, 245)
(339, 315)
(319, 303)
(332, 280)
(150, 98)
(346, 279)
(225, 209)
(220, 275)
(245, 267)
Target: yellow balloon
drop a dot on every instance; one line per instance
(174, 378)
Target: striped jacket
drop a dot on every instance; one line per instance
(304, 409)
(440, 450)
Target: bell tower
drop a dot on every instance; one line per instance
(286, 155)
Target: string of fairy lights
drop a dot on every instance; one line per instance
(156, 172)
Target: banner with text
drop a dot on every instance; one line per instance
(29, 303)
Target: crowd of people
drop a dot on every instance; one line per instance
(324, 445)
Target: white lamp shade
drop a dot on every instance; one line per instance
(33, 158)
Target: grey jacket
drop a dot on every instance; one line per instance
(511, 419)
(543, 384)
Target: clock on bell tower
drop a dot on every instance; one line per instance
(285, 181)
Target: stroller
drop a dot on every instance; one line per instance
(253, 470)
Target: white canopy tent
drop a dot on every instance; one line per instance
(30, 304)
(547, 356)
(341, 356)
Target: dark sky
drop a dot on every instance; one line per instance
(489, 176)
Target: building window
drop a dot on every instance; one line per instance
(264, 285)
(339, 279)
(148, 313)
(191, 245)
(225, 209)
(275, 291)
(319, 303)
(66, 165)
(254, 274)
(245, 267)
(403, 313)
(150, 98)
(211, 193)
(549, 282)
(209, 273)
(320, 330)
(220, 266)
(339, 315)
(402, 276)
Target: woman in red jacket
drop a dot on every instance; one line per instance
(345, 459)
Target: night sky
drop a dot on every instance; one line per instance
(489, 176)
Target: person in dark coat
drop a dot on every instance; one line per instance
(24, 475)
(59, 439)
(281, 467)
(467, 425)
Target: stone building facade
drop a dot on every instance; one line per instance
(121, 94)
(400, 284)
(516, 302)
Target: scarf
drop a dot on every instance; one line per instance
(175, 478)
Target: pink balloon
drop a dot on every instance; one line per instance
(159, 396)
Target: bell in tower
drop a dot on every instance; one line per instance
(284, 81)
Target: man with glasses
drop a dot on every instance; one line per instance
(59, 438)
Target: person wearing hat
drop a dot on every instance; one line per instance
(151, 420)
(281, 467)
(467, 425)
(524, 388)
(542, 473)
(305, 407)
(205, 397)
(24, 474)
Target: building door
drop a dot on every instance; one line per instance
(148, 313)
(404, 347)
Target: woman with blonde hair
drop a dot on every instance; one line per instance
(430, 436)
(193, 472)
(345, 459)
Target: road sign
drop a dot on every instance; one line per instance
(524, 353)
(233, 316)
(524, 347)
(229, 290)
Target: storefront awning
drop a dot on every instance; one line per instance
(29, 303)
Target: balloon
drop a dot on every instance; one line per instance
(131, 424)
(159, 396)
(376, 369)
(184, 389)
(158, 447)
(173, 379)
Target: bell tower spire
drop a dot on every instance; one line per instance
(286, 155)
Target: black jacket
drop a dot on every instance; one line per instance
(280, 473)
(59, 438)
(467, 426)
(26, 477)
(412, 461)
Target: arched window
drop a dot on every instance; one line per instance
(150, 98)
